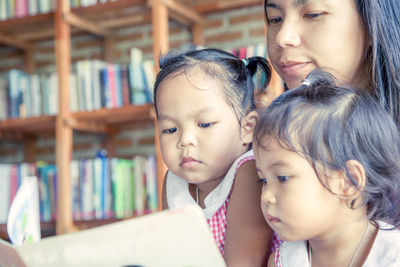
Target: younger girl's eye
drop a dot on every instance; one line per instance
(283, 178)
(275, 20)
(205, 124)
(262, 181)
(169, 131)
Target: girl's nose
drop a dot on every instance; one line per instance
(186, 139)
(288, 34)
(268, 195)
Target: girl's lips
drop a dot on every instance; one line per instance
(271, 219)
(189, 162)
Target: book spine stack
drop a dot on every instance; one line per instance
(104, 188)
(21, 8)
(11, 177)
(252, 50)
(94, 84)
(98, 84)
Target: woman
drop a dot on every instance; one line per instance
(355, 40)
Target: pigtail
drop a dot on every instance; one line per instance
(260, 71)
(319, 77)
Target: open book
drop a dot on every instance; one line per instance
(179, 237)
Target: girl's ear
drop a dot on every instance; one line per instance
(248, 123)
(357, 172)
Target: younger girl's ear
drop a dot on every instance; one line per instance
(357, 172)
(248, 123)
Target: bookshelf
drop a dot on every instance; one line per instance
(99, 20)
(60, 25)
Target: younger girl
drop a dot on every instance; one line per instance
(204, 101)
(329, 160)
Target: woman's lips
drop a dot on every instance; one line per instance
(291, 67)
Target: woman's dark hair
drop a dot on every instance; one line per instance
(382, 26)
(238, 78)
(331, 125)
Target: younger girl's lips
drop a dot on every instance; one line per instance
(271, 219)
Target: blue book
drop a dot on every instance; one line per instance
(14, 93)
(118, 85)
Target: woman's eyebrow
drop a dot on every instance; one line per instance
(295, 3)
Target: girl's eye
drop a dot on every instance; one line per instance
(313, 15)
(206, 124)
(283, 178)
(169, 131)
(275, 20)
(262, 181)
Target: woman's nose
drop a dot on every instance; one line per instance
(288, 34)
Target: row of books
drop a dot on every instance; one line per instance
(102, 188)
(11, 177)
(83, 3)
(94, 84)
(23, 95)
(21, 8)
(105, 188)
(251, 50)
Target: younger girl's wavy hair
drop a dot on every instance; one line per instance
(240, 79)
(330, 125)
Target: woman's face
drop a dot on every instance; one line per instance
(306, 34)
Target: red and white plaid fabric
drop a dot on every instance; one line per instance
(217, 225)
(278, 257)
(276, 242)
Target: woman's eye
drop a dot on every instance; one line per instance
(169, 131)
(262, 181)
(205, 124)
(313, 15)
(283, 178)
(275, 20)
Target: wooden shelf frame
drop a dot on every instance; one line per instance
(100, 120)
(61, 25)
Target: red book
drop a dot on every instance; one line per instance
(242, 52)
(113, 88)
(125, 85)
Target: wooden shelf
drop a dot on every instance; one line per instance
(122, 115)
(99, 20)
(107, 16)
(125, 114)
(112, 15)
(26, 126)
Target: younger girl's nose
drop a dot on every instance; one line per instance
(268, 195)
